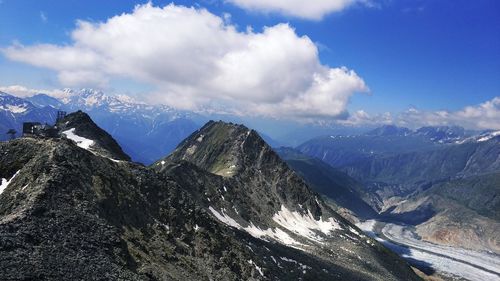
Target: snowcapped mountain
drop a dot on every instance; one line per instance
(91, 100)
(442, 134)
(146, 132)
(481, 137)
(439, 134)
(14, 111)
(13, 105)
(43, 100)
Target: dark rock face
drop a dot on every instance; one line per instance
(344, 191)
(85, 127)
(254, 189)
(71, 214)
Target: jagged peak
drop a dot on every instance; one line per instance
(222, 148)
(389, 130)
(82, 129)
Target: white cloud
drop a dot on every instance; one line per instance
(483, 116)
(43, 17)
(22, 91)
(197, 59)
(362, 118)
(312, 9)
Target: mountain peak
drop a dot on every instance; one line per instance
(79, 127)
(389, 130)
(41, 100)
(221, 148)
(442, 133)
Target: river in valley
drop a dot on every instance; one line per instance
(451, 263)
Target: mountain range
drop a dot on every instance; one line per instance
(146, 132)
(222, 206)
(448, 190)
(442, 181)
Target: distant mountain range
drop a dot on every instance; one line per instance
(146, 132)
(442, 180)
(14, 111)
(222, 206)
(433, 178)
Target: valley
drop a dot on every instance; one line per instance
(449, 263)
(430, 195)
(436, 204)
(250, 140)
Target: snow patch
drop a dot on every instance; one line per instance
(80, 141)
(15, 108)
(276, 234)
(305, 225)
(289, 260)
(225, 218)
(354, 231)
(489, 136)
(200, 138)
(259, 269)
(5, 183)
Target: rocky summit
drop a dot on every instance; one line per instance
(223, 206)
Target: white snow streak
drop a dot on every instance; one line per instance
(489, 136)
(259, 269)
(80, 141)
(305, 225)
(14, 108)
(276, 234)
(5, 183)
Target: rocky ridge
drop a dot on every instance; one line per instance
(67, 212)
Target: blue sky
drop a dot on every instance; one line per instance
(431, 55)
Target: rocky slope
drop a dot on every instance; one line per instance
(347, 194)
(68, 212)
(256, 192)
(448, 190)
(79, 125)
(461, 212)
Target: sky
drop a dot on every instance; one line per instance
(418, 62)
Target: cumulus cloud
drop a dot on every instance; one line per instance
(195, 59)
(22, 91)
(483, 116)
(312, 9)
(362, 118)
